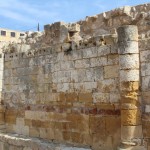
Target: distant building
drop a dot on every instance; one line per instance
(7, 35)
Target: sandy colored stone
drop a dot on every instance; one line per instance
(112, 125)
(129, 61)
(111, 71)
(130, 117)
(34, 132)
(71, 97)
(129, 86)
(2, 118)
(97, 125)
(131, 132)
(85, 97)
(129, 75)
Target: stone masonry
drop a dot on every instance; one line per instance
(79, 86)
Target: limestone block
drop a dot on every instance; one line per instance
(101, 142)
(145, 56)
(22, 63)
(113, 59)
(84, 63)
(7, 73)
(129, 86)
(130, 97)
(111, 71)
(89, 75)
(34, 132)
(128, 48)
(113, 124)
(8, 64)
(20, 121)
(147, 108)
(98, 61)
(146, 83)
(50, 134)
(56, 33)
(71, 97)
(146, 97)
(63, 87)
(90, 52)
(145, 69)
(129, 61)
(74, 76)
(97, 125)
(129, 75)
(81, 75)
(89, 86)
(131, 132)
(114, 97)
(127, 33)
(101, 97)
(146, 129)
(64, 76)
(20, 129)
(131, 117)
(43, 133)
(144, 44)
(74, 27)
(103, 50)
(66, 65)
(2, 118)
(98, 73)
(37, 115)
(108, 85)
(10, 119)
(76, 54)
(85, 97)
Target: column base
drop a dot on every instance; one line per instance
(130, 146)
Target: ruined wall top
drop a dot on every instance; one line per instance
(80, 32)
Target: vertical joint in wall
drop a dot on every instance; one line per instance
(131, 126)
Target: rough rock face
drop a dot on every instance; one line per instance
(86, 84)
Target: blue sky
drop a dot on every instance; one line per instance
(25, 14)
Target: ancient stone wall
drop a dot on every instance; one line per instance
(86, 83)
(65, 94)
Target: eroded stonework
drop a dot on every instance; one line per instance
(86, 84)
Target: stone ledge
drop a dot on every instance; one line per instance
(16, 141)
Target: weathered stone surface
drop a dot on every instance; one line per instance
(131, 117)
(129, 75)
(14, 142)
(131, 132)
(111, 71)
(129, 61)
(128, 33)
(70, 83)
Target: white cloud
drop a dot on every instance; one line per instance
(25, 12)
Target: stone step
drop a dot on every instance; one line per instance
(14, 141)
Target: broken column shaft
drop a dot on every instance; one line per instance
(129, 85)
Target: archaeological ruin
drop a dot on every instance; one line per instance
(79, 86)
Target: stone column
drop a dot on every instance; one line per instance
(2, 108)
(131, 128)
